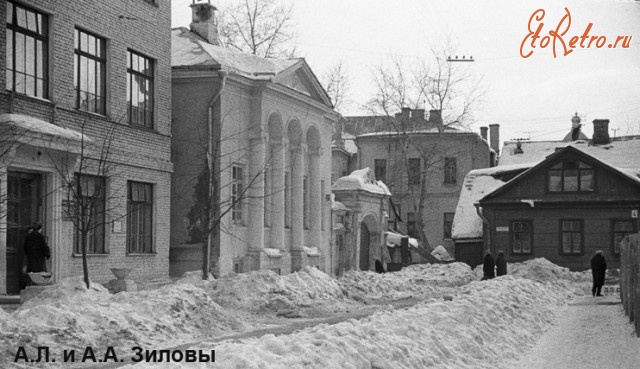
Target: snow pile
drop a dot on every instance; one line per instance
(541, 269)
(361, 179)
(72, 316)
(304, 292)
(441, 253)
(410, 281)
(481, 325)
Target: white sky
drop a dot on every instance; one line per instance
(533, 97)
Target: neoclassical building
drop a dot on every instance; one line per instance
(268, 122)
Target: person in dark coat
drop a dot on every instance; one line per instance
(598, 269)
(488, 266)
(379, 267)
(501, 264)
(36, 249)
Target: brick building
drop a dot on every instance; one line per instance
(269, 124)
(80, 77)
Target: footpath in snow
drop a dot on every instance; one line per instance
(592, 332)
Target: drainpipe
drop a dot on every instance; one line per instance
(206, 262)
(484, 219)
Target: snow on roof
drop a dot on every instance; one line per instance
(417, 131)
(441, 253)
(361, 179)
(35, 125)
(477, 183)
(187, 49)
(350, 145)
(394, 239)
(619, 154)
(338, 206)
(532, 151)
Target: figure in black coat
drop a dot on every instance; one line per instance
(36, 249)
(488, 266)
(501, 264)
(598, 269)
(379, 267)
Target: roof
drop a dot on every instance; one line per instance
(477, 183)
(361, 179)
(532, 151)
(188, 50)
(447, 130)
(36, 132)
(394, 239)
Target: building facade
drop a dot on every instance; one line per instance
(269, 124)
(423, 165)
(85, 112)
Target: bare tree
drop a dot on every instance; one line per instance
(88, 205)
(337, 84)
(440, 86)
(259, 27)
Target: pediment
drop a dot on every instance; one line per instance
(299, 77)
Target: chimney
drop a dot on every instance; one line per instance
(435, 118)
(203, 21)
(575, 121)
(483, 133)
(600, 131)
(406, 114)
(417, 114)
(494, 137)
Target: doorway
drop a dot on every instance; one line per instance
(24, 206)
(364, 246)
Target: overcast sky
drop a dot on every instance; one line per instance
(533, 97)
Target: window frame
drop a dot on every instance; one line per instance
(148, 208)
(413, 171)
(39, 37)
(148, 119)
(450, 170)
(512, 236)
(237, 188)
(616, 251)
(563, 169)
(100, 62)
(380, 169)
(93, 236)
(580, 232)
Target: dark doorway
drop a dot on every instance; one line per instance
(24, 206)
(470, 253)
(364, 246)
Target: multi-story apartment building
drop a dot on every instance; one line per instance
(85, 105)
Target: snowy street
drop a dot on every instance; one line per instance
(437, 316)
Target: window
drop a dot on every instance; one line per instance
(571, 176)
(89, 78)
(26, 51)
(139, 89)
(621, 229)
(413, 171)
(90, 205)
(323, 211)
(139, 218)
(571, 233)
(381, 169)
(237, 188)
(287, 200)
(450, 170)
(411, 225)
(521, 237)
(448, 225)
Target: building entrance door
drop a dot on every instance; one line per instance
(364, 246)
(24, 206)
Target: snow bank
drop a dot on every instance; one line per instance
(410, 281)
(302, 293)
(481, 325)
(70, 316)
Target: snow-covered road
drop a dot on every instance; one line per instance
(590, 333)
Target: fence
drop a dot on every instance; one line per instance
(630, 279)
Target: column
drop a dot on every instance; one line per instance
(315, 198)
(255, 180)
(297, 208)
(277, 194)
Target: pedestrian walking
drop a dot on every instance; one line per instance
(598, 269)
(36, 249)
(501, 264)
(488, 266)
